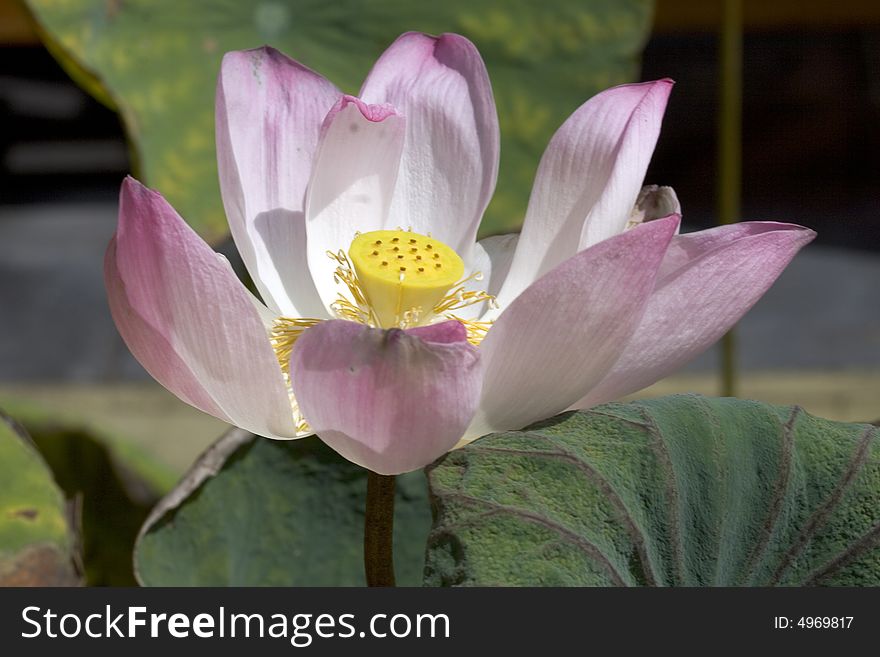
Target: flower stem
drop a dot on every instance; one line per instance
(379, 530)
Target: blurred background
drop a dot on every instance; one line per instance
(810, 139)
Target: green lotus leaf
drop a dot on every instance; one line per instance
(258, 512)
(37, 545)
(679, 491)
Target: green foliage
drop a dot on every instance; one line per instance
(44, 416)
(112, 500)
(683, 491)
(110, 484)
(259, 512)
(156, 61)
(36, 542)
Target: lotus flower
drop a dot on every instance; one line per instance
(385, 327)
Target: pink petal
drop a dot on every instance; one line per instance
(269, 111)
(563, 334)
(450, 161)
(352, 182)
(707, 281)
(188, 320)
(589, 179)
(150, 347)
(389, 400)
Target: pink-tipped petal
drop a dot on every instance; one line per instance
(150, 347)
(450, 160)
(685, 249)
(563, 333)
(189, 321)
(269, 110)
(352, 183)
(589, 179)
(706, 283)
(389, 400)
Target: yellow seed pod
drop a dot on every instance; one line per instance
(403, 274)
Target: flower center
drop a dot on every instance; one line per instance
(395, 279)
(403, 275)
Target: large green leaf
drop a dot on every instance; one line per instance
(112, 499)
(156, 61)
(36, 542)
(259, 512)
(111, 481)
(684, 491)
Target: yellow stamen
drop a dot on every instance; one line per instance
(283, 336)
(357, 309)
(476, 331)
(460, 297)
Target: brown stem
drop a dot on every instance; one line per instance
(379, 530)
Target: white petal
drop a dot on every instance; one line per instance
(450, 159)
(352, 183)
(492, 258)
(269, 110)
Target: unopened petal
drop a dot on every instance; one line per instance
(389, 400)
(654, 202)
(707, 282)
(189, 321)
